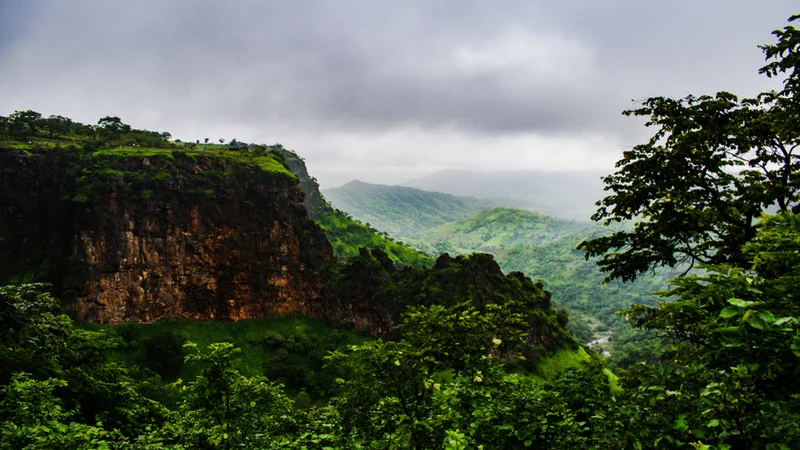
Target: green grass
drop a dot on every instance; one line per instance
(123, 152)
(266, 163)
(563, 360)
(613, 380)
(347, 236)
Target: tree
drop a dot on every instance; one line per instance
(221, 140)
(56, 125)
(40, 351)
(714, 164)
(730, 376)
(24, 123)
(205, 141)
(223, 409)
(113, 126)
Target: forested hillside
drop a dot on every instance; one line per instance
(402, 211)
(456, 355)
(544, 248)
(492, 230)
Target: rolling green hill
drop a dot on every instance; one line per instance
(493, 230)
(400, 210)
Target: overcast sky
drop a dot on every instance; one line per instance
(384, 91)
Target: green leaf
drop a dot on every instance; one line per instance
(733, 334)
(713, 423)
(739, 302)
(680, 424)
(731, 311)
(796, 346)
(766, 316)
(756, 323)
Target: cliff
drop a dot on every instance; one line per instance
(153, 234)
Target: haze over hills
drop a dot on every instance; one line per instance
(400, 210)
(490, 231)
(568, 195)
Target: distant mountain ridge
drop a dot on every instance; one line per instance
(567, 195)
(493, 230)
(401, 210)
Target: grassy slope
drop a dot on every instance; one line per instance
(399, 210)
(347, 236)
(493, 230)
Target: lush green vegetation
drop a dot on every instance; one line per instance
(402, 211)
(450, 379)
(112, 139)
(347, 236)
(493, 230)
(545, 248)
(287, 349)
(475, 357)
(99, 386)
(577, 285)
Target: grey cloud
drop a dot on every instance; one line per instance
(475, 67)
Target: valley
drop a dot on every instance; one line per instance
(157, 293)
(539, 246)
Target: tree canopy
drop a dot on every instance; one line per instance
(714, 164)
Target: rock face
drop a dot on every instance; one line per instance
(150, 237)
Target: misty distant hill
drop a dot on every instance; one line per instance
(400, 210)
(568, 195)
(493, 230)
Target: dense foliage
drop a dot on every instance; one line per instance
(450, 379)
(577, 285)
(543, 248)
(68, 387)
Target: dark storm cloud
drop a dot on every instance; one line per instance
(324, 72)
(484, 67)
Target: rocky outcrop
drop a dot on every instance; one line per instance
(157, 234)
(164, 235)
